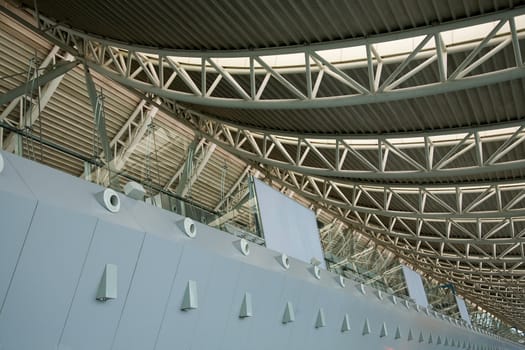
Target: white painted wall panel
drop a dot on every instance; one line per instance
(416, 290)
(288, 227)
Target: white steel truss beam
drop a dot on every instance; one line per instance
(123, 63)
(56, 71)
(128, 138)
(232, 189)
(192, 149)
(479, 280)
(200, 165)
(135, 131)
(49, 59)
(350, 157)
(45, 95)
(199, 153)
(430, 204)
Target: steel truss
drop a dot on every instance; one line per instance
(450, 223)
(502, 296)
(127, 139)
(51, 70)
(447, 232)
(479, 232)
(426, 156)
(340, 156)
(49, 61)
(498, 286)
(473, 233)
(241, 79)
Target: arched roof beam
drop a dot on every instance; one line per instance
(144, 68)
(458, 202)
(460, 154)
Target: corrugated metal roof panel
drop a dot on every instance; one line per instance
(240, 24)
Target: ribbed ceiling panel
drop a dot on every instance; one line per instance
(240, 24)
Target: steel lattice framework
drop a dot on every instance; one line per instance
(382, 158)
(472, 233)
(451, 202)
(155, 71)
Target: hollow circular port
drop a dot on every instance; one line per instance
(285, 261)
(245, 247)
(190, 229)
(317, 272)
(111, 200)
(342, 281)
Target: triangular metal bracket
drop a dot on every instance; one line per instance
(362, 288)
(345, 327)
(246, 306)
(289, 315)
(341, 281)
(320, 321)
(384, 331)
(366, 327)
(107, 288)
(190, 300)
(398, 333)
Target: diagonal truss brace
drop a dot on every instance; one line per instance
(351, 157)
(147, 69)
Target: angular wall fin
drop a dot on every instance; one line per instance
(384, 331)
(320, 322)
(190, 300)
(366, 327)
(289, 315)
(362, 288)
(246, 306)
(345, 327)
(398, 333)
(107, 288)
(410, 336)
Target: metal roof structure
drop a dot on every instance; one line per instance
(402, 120)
